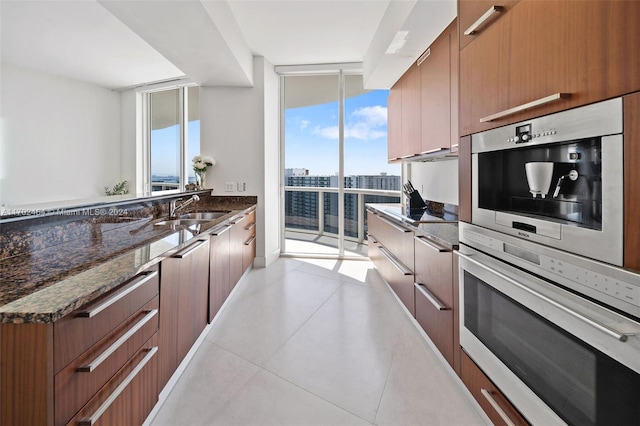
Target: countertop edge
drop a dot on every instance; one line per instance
(425, 229)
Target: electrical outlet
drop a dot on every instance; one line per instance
(228, 186)
(242, 186)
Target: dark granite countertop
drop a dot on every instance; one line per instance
(44, 285)
(437, 226)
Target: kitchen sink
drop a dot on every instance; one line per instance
(182, 222)
(204, 215)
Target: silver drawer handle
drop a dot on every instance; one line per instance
(481, 20)
(189, 250)
(593, 323)
(430, 297)
(114, 347)
(532, 104)
(393, 225)
(104, 305)
(489, 397)
(220, 231)
(431, 244)
(396, 263)
(373, 238)
(249, 241)
(236, 220)
(121, 387)
(250, 227)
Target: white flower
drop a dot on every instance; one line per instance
(202, 162)
(210, 161)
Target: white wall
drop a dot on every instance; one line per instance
(436, 181)
(238, 127)
(61, 138)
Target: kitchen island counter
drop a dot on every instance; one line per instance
(43, 285)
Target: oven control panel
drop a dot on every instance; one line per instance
(602, 282)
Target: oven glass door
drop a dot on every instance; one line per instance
(581, 384)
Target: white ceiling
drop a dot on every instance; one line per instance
(120, 43)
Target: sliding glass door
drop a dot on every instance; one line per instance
(335, 160)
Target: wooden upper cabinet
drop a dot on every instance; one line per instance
(438, 92)
(410, 111)
(394, 122)
(483, 12)
(586, 49)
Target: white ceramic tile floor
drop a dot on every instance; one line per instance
(315, 342)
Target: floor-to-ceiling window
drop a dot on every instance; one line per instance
(335, 160)
(173, 138)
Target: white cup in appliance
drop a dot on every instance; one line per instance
(539, 175)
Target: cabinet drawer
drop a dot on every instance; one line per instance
(492, 401)
(129, 396)
(394, 237)
(436, 319)
(82, 328)
(77, 383)
(398, 276)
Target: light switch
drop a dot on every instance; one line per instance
(228, 186)
(242, 186)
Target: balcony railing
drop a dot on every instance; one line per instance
(314, 210)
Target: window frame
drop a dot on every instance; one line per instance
(183, 113)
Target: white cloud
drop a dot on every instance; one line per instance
(304, 124)
(364, 124)
(376, 115)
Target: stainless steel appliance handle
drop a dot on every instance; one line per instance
(623, 337)
(121, 387)
(430, 297)
(489, 397)
(189, 250)
(104, 305)
(520, 108)
(397, 264)
(397, 227)
(473, 28)
(111, 349)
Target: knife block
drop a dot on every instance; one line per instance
(416, 201)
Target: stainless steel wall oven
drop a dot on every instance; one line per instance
(546, 310)
(556, 180)
(559, 334)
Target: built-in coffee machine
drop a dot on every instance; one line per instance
(556, 180)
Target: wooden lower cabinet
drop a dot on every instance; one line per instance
(124, 400)
(434, 294)
(249, 243)
(489, 397)
(86, 364)
(219, 269)
(393, 256)
(184, 295)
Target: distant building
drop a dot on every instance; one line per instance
(295, 172)
(301, 208)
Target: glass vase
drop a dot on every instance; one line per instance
(200, 179)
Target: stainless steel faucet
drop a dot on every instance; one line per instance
(173, 208)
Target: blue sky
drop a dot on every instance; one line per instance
(165, 149)
(311, 136)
